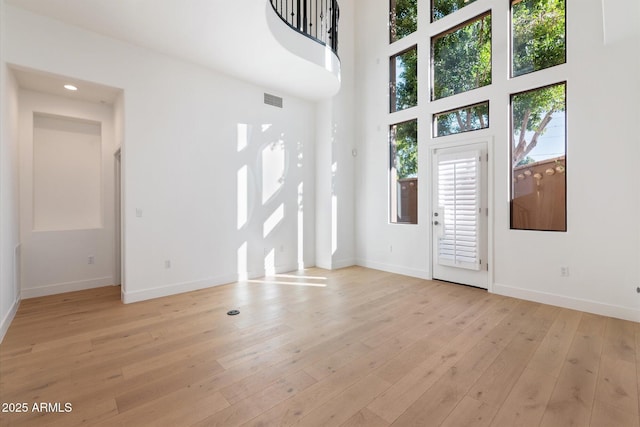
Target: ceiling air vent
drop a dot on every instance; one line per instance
(269, 99)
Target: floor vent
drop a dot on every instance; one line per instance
(273, 100)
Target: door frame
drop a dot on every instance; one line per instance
(461, 141)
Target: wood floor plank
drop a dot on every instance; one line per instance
(402, 394)
(527, 400)
(258, 403)
(496, 382)
(365, 418)
(551, 354)
(471, 412)
(351, 347)
(342, 407)
(437, 403)
(572, 399)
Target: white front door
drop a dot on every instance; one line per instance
(459, 214)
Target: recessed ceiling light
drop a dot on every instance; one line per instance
(70, 87)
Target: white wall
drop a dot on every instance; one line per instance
(55, 250)
(9, 209)
(180, 159)
(335, 164)
(602, 244)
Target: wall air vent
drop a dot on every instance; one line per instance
(273, 100)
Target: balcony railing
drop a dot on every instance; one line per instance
(317, 19)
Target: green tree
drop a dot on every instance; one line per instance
(406, 85)
(403, 18)
(531, 113)
(442, 8)
(538, 31)
(462, 59)
(404, 138)
(465, 119)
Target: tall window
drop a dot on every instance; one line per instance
(403, 172)
(462, 58)
(538, 159)
(403, 18)
(403, 80)
(538, 35)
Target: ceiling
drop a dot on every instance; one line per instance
(54, 85)
(230, 36)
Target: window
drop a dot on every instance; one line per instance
(442, 8)
(403, 80)
(538, 159)
(538, 35)
(403, 18)
(462, 58)
(465, 119)
(403, 147)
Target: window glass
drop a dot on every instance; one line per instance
(403, 82)
(538, 35)
(465, 119)
(442, 8)
(403, 141)
(403, 18)
(538, 159)
(462, 58)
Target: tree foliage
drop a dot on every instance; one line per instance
(406, 85)
(405, 149)
(403, 18)
(465, 119)
(442, 8)
(531, 113)
(462, 59)
(538, 30)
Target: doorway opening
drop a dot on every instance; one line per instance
(460, 213)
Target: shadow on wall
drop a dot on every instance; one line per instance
(270, 193)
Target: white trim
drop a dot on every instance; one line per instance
(461, 140)
(393, 268)
(589, 306)
(6, 322)
(59, 288)
(176, 288)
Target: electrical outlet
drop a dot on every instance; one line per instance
(138, 212)
(91, 259)
(390, 248)
(167, 264)
(564, 271)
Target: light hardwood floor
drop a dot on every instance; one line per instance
(353, 347)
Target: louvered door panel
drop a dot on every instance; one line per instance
(459, 204)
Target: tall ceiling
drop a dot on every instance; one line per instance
(230, 36)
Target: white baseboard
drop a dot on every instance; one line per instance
(6, 322)
(59, 288)
(397, 269)
(625, 313)
(176, 288)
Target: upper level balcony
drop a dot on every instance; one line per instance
(315, 37)
(286, 46)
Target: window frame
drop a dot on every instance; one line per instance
(450, 30)
(393, 196)
(512, 167)
(512, 75)
(434, 118)
(393, 84)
